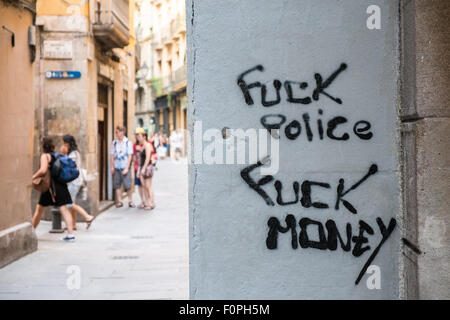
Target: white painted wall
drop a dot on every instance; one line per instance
(293, 40)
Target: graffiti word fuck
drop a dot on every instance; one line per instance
(289, 87)
(305, 188)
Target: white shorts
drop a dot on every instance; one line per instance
(74, 189)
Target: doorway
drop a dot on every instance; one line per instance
(102, 141)
(102, 159)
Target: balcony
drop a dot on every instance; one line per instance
(169, 32)
(166, 35)
(137, 54)
(173, 82)
(179, 78)
(111, 23)
(179, 25)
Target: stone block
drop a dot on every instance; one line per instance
(16, 242)
(433, 57)
(72, 23)
(91, 143)
(408, 59)
(433, 203)
(426, 58)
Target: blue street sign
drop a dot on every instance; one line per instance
(63, 74)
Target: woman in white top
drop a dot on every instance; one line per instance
(70, 149)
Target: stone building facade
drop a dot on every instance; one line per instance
(145, 106)
(85, 83)
(161, 85)
(17, 60)
(425, 145)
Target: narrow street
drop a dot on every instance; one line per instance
(126, 254)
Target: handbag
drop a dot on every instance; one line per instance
(148, 173)
(42, 184)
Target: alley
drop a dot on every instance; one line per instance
(126, 254)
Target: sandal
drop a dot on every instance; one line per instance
(119, 204)
(141, 206)
(131, 205)
(88, 223)
(148, 208)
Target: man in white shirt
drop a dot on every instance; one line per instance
(121, 156)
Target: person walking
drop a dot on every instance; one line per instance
(146, 171)
(57, 195)
(166, 145)
(121, 156)
(175, 145)
(156, 140)
(70, 149)
(181, 148)
(161, 148)
(138, 148)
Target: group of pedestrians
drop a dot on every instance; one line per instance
(161, 143)
(123, 151)
(166, 146)
(124, 156)
(176, 144)
(60, 194)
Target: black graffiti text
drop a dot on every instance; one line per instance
(335, 128)
(294, 89)
(306, 188)
(328, 237)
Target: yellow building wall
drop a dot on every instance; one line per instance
(131, 73)
(62, 7)
(17, 118)
(87, 60)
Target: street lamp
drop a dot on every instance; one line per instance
(143, 72)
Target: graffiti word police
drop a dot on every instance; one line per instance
(313, 126)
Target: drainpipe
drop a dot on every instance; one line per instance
(41, 93)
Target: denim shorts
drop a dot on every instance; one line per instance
(119, 178)
(137, 181)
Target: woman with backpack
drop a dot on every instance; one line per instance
(57, 195)
(70, 149)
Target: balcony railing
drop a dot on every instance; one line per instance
(111, 23)
(168, 83)
(179, 76)
(137, 54)
(167, 32)
(157, 87)
(179, 25)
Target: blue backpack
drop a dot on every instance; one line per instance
(64, 169)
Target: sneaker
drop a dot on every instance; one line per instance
(69, 238)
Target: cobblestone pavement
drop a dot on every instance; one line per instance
(126, 254)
